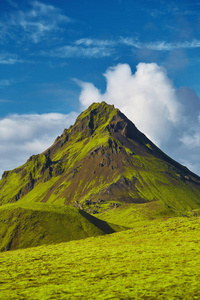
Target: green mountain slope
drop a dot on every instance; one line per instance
(101, 162)
(33, 225)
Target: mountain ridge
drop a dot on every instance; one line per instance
(101, 162)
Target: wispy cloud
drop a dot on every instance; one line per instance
(97, 48)
(5, 82)
(188, 8)
(160, 45)
(39, 21)
(95, 42)
(86, 48)
(9, 59)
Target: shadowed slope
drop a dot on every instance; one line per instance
(38, 224)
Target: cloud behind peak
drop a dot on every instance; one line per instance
(150, 100)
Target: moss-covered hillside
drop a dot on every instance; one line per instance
(156, 260)
(99, 163)
(24, 226)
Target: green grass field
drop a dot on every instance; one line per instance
(156, 260)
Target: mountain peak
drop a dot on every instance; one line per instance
(96, 115)
(93, 121)
(100, 162)
(102, 117)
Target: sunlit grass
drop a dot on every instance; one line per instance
(157, 260)
(132, 215)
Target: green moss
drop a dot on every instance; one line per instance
(76, 150)
(78, 143)
(34, 165)
(135, 214)
(156, 181)
(10, 186)
(40, 190)
(149, 146)
(24, 225)
(156, 260)
(56, 196)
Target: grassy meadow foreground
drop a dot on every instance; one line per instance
(157, 259)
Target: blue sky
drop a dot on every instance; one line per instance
(57, 57)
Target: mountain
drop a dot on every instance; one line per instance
(103, 165)
(100, 163)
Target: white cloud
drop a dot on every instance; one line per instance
(24, 135)
(35, 23)
(160, 45)
(97, 48)
(84, 49)
(147, 97)
(136, 43)
(190, 8)
(191, 140)
(8, 59)
(89, 94)
(95, 42)
(170, 117)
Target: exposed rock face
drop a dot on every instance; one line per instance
(102, 156)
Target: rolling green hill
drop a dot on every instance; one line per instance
(23, 226)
